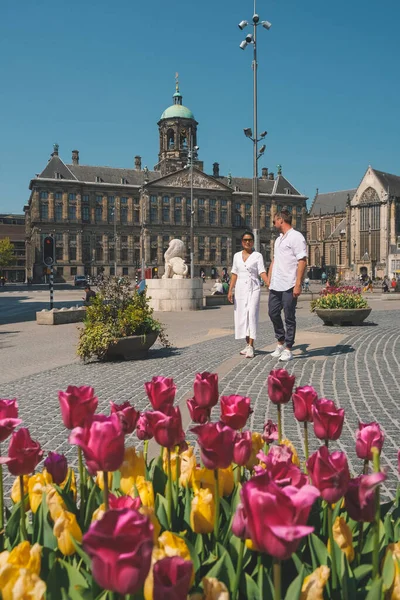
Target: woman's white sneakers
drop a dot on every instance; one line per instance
(250, 352)
(244, 351)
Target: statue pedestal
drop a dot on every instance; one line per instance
(175, 295)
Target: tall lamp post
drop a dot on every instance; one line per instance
(192, 156)
(115, 241)
(253, 135)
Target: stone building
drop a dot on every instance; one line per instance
(13, 227)
(357, 232)
(102, 216)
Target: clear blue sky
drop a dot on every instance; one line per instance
(96, 76)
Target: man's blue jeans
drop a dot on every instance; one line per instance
(285, 301)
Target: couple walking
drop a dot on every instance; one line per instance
(284, 279)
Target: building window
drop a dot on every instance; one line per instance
(72, 212)
(201, 201)
(99, 254)
(314, 232)
(44, 195)
(212, 254)
(202, 218)
(248, 220)
(125, 271)
(238, 220)
(201, 253)
(332, 255)
(124, 239)
(124, 215)
(213, 217)
(124, 200)
(85, 214)
(111, 254)
(44, 211)
(85, 198)
(224, 217)
(328, 229)
(224, 203)
(99, 199)
(153, 214)
(111, 200)
(74, 271)
(136, 216)
(86, 252)
(317, 257)
(60, 271)
(72, 253)
(166, 214)
(59, 253)
(213, 202)
(153, 199)
(178, 200)
(58, 196)
(165, 199)
(71, 196)
(223, 255)
(99, 214)
(111, 214)
(178, 216)
(124, 254)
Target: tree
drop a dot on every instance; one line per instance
(6, 253)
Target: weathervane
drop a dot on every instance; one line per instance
(177, 81)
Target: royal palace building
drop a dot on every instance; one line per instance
(104, 218)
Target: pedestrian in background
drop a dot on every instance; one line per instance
(90, 294)
(285, 277)
(248, 266)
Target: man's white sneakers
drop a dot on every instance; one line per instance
(278, 351)
(286, 355)
(250, 352)
(244, 351)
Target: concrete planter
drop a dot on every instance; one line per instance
(132, 348)
(343, 316)
(61, 316)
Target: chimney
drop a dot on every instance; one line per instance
(138, 163)
(215, 169)
(75, 157)
(271, 176)
(264, 173)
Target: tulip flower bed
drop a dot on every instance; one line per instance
(250, 521)
(346, 296)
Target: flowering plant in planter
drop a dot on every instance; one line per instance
(345, 297)
(116, 312)
(247, 519)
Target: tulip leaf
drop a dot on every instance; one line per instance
(370, 539)
(362, 571)
(294, 589)
(67, 497)
(223, 569)
(319, 552)
(226, 508)
(157, 476)
(188, 506)
(161, 511)
(48, 539)
(193, 554)
(375, 592)
(80, 551)
(77, 581)
(92, 502)
(56, 580)
(298, 563)
(349, 588)
(389, 529)
(236, 497)
(13, 524)
(386, 507)
(388, 571)
(250, 589)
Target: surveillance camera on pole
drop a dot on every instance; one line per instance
(243, 45)
(242, 24)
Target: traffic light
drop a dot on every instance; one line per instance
(48, 250)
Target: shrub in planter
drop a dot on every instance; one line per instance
(116, 312)
(344, 297)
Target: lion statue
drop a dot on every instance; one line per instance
(175, 266)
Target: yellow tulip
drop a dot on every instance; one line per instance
(187, 464)
(149, 512)
(145, 491)
(55, 503)
(25, 556)
(173, 545)
(66, 526)
(394, 591)
(16, 491)
(256, 445)
(132, 467)
(343, 537)
(214, 589)
(72, 487)
(295, 456)
(204, 478)
(20, 584)
(202, 512)
(250, 544)
(313, 585)
(37, 484)
(100, 480)
(157, 554)
(99, 513)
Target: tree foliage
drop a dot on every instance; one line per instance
(6, 253)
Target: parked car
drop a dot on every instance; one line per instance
(80, 280)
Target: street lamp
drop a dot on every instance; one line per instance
(192, 156)
(115, 240)
(252, 39)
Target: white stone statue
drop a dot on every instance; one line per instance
(175, 266)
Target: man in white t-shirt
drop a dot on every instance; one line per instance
(285, 277)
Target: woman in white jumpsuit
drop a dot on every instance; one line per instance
(247, 268)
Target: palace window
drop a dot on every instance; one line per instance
(124, 215)
(85, 214)
(153, 214)
(58, 196)
(44, 195)
(166, 214)
(328, 229)
(178, 216)
(165, 199)
(85, 198)
(44, 211)
(213, 217)
(224, 217)
(124, 200)
(136, 216)
(153, 199)
(71, 196)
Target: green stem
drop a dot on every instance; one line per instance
(81, 481)
(360, 541)
(216, 521)
(377, 521)
(169, 490)
(238, 571)
(162, 452)
(365, 468)
(260, 576)
(279, 423)
(306, 454)
(145, 450)
(177, 476)
(237, 474)
(277, 579)
(23, 524)
(332, 547)
(266, 448)
(106, 491)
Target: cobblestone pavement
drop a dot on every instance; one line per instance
(362, 374)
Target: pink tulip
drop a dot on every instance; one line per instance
(360, 497)
(120, 546)
(57, 466)
(127, 414)
(280, 385)
(167, 426)
(303, 400)
(124, 502)
(161, 392)
(23, 453)
(369, 435)
(102, 442)
(277, 517)
(77, 404)
(239, 523)
(172, 576)
(198, 414)
(235, 410)
(328, 420)
(205, 388)
(216, 442)
(270, 433)
(329, 473)
(8, 418)
(144, 430)
(280, 467)
(242, 448)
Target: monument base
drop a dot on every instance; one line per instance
(175, 295)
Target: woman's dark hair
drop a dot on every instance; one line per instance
(247, 233)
